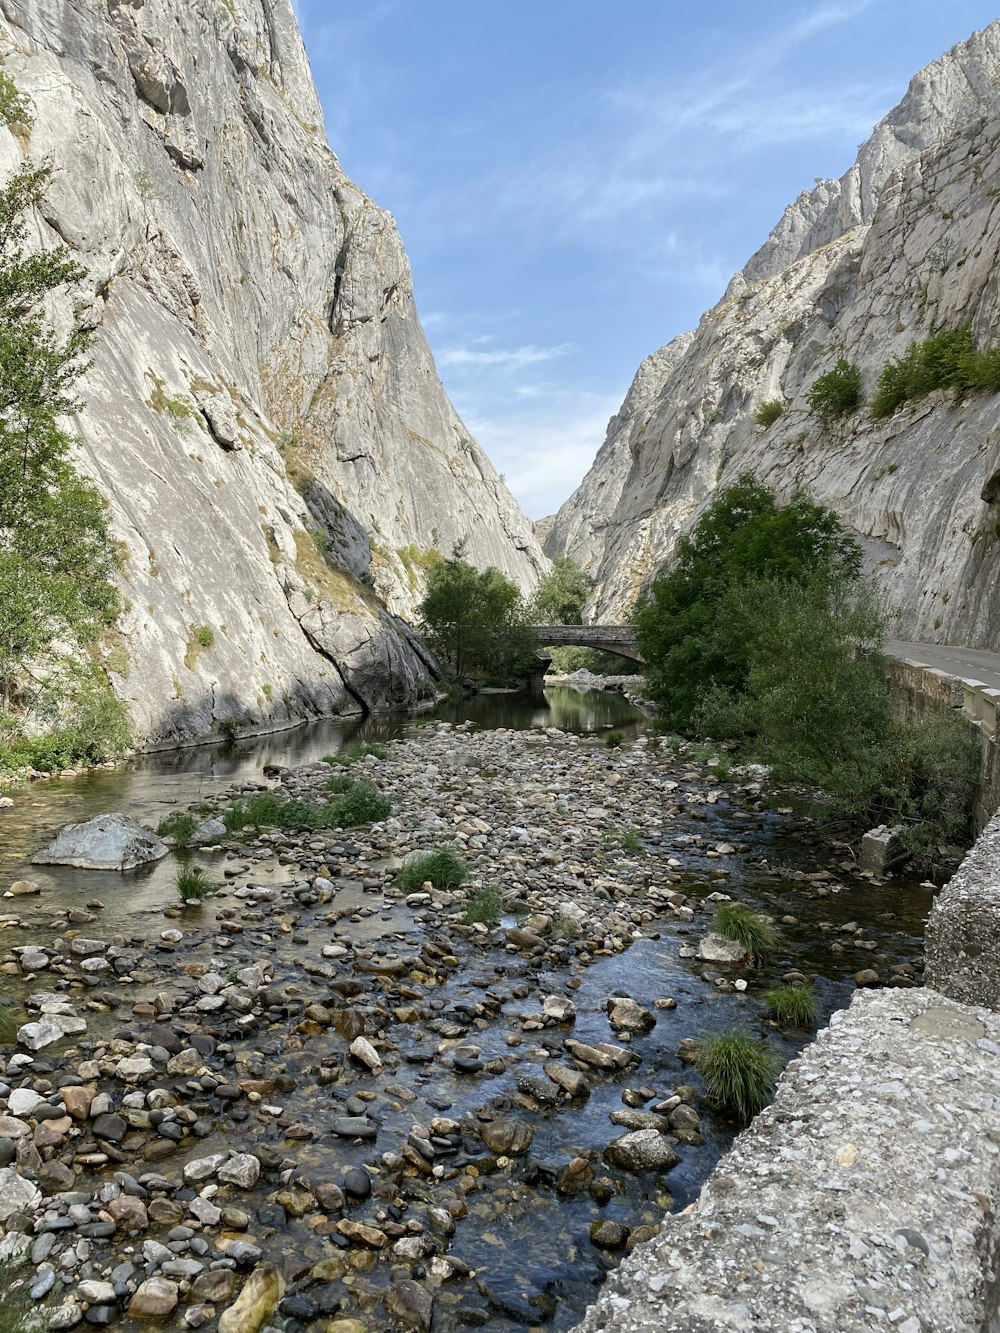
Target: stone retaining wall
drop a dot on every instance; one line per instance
(863, 1198)
(918, 689)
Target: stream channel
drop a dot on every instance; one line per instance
(522, 1232)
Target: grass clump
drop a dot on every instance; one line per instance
(362, 803)
(339, 783)
(356, 750)
(768, 412)
(792, 1006)
(8, 1029)
(192, 884)
(205, 635)
(443, 867)
(736, 921)
(16, 1307)
(180, 826)
(484, 905)
(739, 1072)
(613, 739)
(836, 393)
(627, 839)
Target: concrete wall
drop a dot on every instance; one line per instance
(918, 690)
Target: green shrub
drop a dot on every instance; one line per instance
(231, 726)
(444, 867)
(768, 412)
(744, 535)
(613, 739)
(792, 1006)
(14, 106)
(736, 921)
(562, 594)
(192, 884)
(351, 753)
(837, 392)
(484, 905)
(99, 728)
(739, 1072)
(339, 783)
(362, 803)
(947, 359)
(204, 635)
(929, 785)
(180, 826)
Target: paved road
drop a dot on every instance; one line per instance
(974, 663)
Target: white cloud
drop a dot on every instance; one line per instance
(511, 358)
(544, 453)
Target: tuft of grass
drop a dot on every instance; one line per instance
(356, 750)
(792, 1006)
(443, 867)
(15, 1304)
(340, 783)
(736, 921)
(8, 1025)
(180, 826)
(768, 412)
(360, 803)
(484, 905)
(627, 839)
(739, 1072)
(613, 739)
(192, 884)
(205, 635)
(363, 803)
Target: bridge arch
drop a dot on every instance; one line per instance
(618, 639)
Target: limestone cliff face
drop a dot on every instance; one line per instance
(906, 241)
(260, 373)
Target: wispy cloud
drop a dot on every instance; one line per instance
(510, 358)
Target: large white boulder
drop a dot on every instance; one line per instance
(108, 842)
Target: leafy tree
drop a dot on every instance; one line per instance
(56, 555)
(476, 621)
(743, 535)
(562, 594)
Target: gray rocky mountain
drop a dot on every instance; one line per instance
(904, 242)
(262, 392)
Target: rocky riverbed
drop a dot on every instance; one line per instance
(317, 1102)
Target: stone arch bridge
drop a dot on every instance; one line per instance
(618, 639)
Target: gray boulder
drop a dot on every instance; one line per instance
(108, 842)
(717, 949)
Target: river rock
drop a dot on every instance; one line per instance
(50, 1029)
(506, 1138)
(256, 1303)
(411, 1304)
(717, 949)
(363, 1050)
(107, 842)
(642, 1150)
(154, 1299)
(626, 1015)
(242, 1169)
(17, 1195)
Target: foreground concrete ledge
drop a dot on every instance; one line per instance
(962, 941)
(864, 1198)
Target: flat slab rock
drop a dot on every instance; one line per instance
(107, 842)
(868, 1186)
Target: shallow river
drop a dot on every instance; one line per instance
(527, 1243)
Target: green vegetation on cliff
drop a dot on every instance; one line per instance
(765, 634)
(57, 557)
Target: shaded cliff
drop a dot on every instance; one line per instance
(906, 241)
(262, 395)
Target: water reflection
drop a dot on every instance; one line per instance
(559, 706)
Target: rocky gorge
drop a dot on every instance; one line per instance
(318, 1100)
(905, 242)
(262, 413)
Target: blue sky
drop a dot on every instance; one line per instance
(576, 181)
